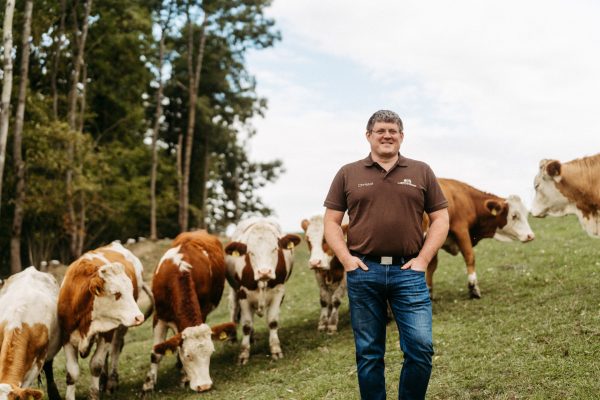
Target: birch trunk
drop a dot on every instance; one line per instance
(17, 226)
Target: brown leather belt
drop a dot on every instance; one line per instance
(386, 260)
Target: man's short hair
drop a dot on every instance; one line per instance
(384, 116)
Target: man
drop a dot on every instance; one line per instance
(386, 254)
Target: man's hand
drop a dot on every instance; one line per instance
(351, 263)
(416, 264)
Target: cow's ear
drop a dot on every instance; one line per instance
(169, 346)
(96, 286)
(236, 249)
(30, 394)
(493, 206)
(224, 331)
(289, 241)
(553, 168)
(304, 224)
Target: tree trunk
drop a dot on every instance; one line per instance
(73, 227)
(194, 81)
(157, 117)
(56, 58)
(179, 173)
(17, 227)
(6, 84)
(206, 167)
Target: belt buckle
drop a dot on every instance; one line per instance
(387, 260)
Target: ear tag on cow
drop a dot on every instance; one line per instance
(168, 352)
(235, 253)
(290, 245)
(223, 335)
(494, 212)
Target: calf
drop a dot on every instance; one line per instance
(96, 303)
(29, 335)
(187, 285)
(329, 273)
(259, 261)
(476, 215)
(570, 188)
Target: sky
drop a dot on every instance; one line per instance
(485, 90)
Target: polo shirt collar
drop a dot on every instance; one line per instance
(402, 161)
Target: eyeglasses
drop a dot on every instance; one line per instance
(381, 132)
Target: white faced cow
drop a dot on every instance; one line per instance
(97, 302)
(329, 273)
(570, 188)
(259, 261)
(476, 215)
(29, 334)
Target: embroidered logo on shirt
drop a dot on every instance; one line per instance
(408, 182)
(365, 184)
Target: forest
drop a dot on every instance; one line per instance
(124, 119)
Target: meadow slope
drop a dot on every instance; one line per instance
(535, 334)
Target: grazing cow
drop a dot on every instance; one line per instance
(29, 335)
(570, 188)
(259, 261)
(96, 303)
(476, 215)
(187, 286)
(329, 273)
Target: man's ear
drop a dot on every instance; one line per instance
(169, 346)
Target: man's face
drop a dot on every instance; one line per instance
(385, 139)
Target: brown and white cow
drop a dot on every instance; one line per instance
(96, 303)
(259, 261)
(570, 188)
(187, 285)
(476, 215)
(329, 273)
(29, 335)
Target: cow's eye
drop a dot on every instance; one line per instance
(515, 217)
(118, 296)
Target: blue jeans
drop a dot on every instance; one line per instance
(407, 293)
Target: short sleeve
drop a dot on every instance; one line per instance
(434, 197)
(336, 198)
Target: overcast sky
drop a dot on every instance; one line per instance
(485, 90)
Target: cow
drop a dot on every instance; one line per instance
(476, 215)
(569, 188)
(29, 334)
(97, 303)
(187, 285)
(259, 261)
(329, 273)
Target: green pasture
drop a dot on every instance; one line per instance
(535, 334)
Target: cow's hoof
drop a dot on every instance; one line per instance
(146, 394)
(322, 327)
(53, 393)
(474, 291)
(277, 355)
(94, 394)
(113, 383)
(242, 360)
(332, 329)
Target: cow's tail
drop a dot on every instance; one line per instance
(148, 292)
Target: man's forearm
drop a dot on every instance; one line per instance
(335, 239)
(436, 236)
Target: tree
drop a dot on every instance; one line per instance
(19, 165)
(7, 40)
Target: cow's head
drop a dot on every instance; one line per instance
(511, 219)
(112, 291)
(262, 249)
(320, 252)
(548, 200)
(12, 392)
(195, 347)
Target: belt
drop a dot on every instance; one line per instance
(386, 260)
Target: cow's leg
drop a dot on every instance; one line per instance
(159, 333)
(336, 300)
(72, 370)
(324, 298)
(273, 321)
(97, 363)
(466, 248)
(116, 348)
(429, 274)
(246, 317)
(51, 388)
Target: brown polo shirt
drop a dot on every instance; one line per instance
(385, 208)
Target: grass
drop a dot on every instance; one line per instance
(535, 334)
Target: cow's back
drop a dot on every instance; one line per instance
(465, 203)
